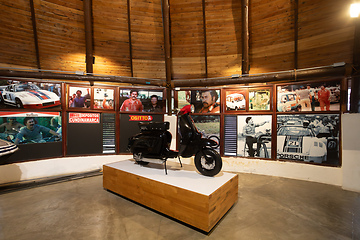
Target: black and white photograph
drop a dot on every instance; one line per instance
(313, 97)
(31, 95)
(254, 136)
(309, 138)
(203, 101)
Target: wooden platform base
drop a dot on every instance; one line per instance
(187, 196)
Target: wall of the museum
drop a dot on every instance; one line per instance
(348, 176)
(351, 152)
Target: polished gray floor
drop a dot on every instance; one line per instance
(267, 208)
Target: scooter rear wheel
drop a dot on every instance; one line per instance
(208, 162)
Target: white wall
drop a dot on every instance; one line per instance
(351, 151)
(348, 176)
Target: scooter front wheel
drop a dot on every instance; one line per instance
(208, 162)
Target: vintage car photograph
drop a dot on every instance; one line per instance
(308, 138)
(235, 100)
(29, 95)
(311, 96)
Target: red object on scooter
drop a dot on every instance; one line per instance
(186, 109)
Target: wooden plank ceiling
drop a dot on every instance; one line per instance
(205, 36)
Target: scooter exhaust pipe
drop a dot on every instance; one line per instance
(151, 160)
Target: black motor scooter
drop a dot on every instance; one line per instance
(152, 144)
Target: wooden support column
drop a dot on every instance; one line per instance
(205, 40)
(296, 32)
(166, 27)
(245, 36)
(88, 36)
(129, 34)
(355, 86)
(36, 42)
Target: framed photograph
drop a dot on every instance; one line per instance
(235, 100)
(140, 100)
(259, 99)
(254, 136)
(309, 97)
(30, 127)
(103, 98)
(79, 97)
(309, 138)
(30, 95)
(209, 126)
(203, 101)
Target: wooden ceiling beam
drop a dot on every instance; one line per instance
(76, 77)
(292, 75)
(245, 36)
(205, 40)
(36, 42)
(89, 43)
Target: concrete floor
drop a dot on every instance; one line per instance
(267, 208)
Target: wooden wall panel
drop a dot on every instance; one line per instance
(147, 39)
(223, 37)
(17, 47)
(326, 33)
(111, 38)
(271, 35)
(61, 34)
(187, 39)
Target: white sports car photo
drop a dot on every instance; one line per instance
(27, 95)
(297, 142)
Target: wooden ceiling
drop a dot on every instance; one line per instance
(205, 36)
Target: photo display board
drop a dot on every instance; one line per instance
(248, 136)
(235, 100)
(29, 95)
(104, 98)
(30, 127)
(203, 101)
(309, 97)
(141, 100)
(79, 97)
(259, 99)
(309, 138)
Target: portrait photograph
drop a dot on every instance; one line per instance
(203, 101)
(309, 138)
(235, 100)
(30, 95)
(103, 98)
(140, 100)
(254, 136)
(25, 128)
(259, 99)
(309, 97)
(79, 97)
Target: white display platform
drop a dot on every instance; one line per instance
(182, 194)
(180, 178)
